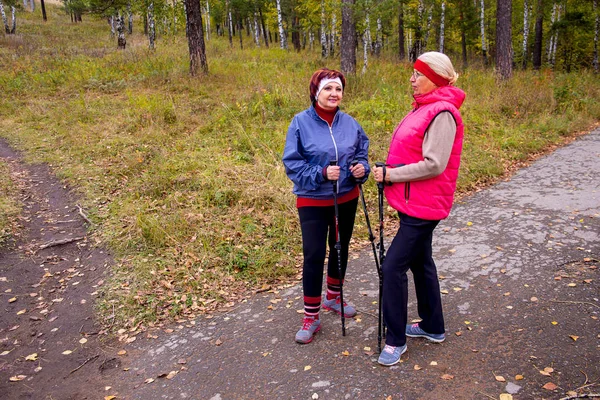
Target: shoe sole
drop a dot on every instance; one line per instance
(427, 337)
(311, 338)
(338, 312)
(395, 362)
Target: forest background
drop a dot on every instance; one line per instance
(182, 175)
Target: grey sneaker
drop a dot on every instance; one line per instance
(415, 331)
(335, 305)
(310, 326)
(390, 355)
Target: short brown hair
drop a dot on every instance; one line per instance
(321, 74)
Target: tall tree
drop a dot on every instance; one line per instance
(401, 40)
(596, 29)
(43, 5)
(539, 31)
(348, 41)
(442, 27)
(282, 38)
(482, 33)
(198, 62)
(504, 38)
(525, 32)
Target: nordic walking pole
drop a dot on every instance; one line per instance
(379, 273)
(381, 247)
(338, 247)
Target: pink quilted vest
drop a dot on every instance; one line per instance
(429, 199)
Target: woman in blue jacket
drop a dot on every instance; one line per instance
(318, 135)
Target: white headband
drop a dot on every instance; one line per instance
(325, 82)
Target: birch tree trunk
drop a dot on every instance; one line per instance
(151, 25)
(13, 12)
(4, 19)
(207, 21)
(282, 39)
(256, 30)
(32, 5)
(525, 31)
(365, 55)
(379, 38)
(482, 29)
(552, 36)
(229, 25)
(348, 42)
(442, 26)
(504, 39)
(121, 42)
(539, 29)
(333, 37)
(596, 29)
(367, 32)
(195, 31)
(324, 49)
(129, 19)
(428, 27)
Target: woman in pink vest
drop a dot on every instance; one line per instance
(420, 180)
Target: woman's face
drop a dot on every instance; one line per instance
(421, 84)
(330, 96)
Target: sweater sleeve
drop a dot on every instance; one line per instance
(437, 147)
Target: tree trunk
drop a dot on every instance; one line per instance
(283, 41)
(324, 49)
(240, 28)
(348, 43)
(525, 32)
(151, 27)
(129, 19)
(43, 5)
(504, 39)
(482, 29)
(379, 38)
(539, 29)
(13, 12)
(32, 4)
(121, 42)
(417, 47)
(229, 24)
(596, 29)
(4, 19)
(207, 21)
(428, 27)
(333, 37)
(264, 30)
(401, 44)
(296, 33)
(442, 27)
(195, 31)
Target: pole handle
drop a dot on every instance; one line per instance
(380, 184)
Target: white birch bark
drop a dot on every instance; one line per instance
(311, 39)
(365, 47)
(207, 21)
(230, 19)
(324, 49)
(151, 26)
(333, 35)
(553, 36)
(379, 37)
(442, 26)
(367, 34)
(525, 31)
(13, 11)
(256, 31)
(32, 4)
(4, 19)
(482, 30)
(282, 39)
(111, 21)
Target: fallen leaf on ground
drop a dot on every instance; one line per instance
(547, 371)
(12, 299)
(519, 377)
(444, 291)
(31, 357)
(37, 369)
(499, 378)
(574, 337)
(433, 363)
(572, 285)
(506, 396)
(417, 367)
(23, 311)
(306, 368)
(149, 380)
(345, 353)
(83, 340)
(534, 299)
(550, 386)
(447, 377)
(554, 323)
(17, 378)
(5, 352)
(109, 397)
(121, 352)
(459, 333)
(218, 342)
(172, 374)
(67, 352)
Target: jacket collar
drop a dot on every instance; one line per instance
(451, 94)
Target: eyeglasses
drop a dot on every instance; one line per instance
(416, 74)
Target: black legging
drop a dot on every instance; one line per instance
(316, 223)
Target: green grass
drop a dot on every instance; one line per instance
(9, 204)
(183, 175)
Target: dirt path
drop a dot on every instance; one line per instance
(48, 294)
